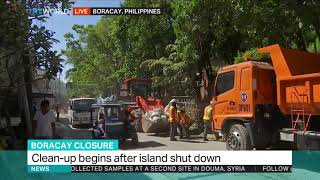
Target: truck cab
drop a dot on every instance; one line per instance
(240, 90)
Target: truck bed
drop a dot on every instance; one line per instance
(298, 79)
(298, 93)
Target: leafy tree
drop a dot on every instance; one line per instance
(196, 36)
(26, 47)
(119, 45)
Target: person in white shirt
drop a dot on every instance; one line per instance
(44, 122)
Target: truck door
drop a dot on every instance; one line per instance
(225, 97)
(245, 99)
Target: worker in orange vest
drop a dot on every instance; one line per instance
(184, 122)
(207, 120)
(173, 119)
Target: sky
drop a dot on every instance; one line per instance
(62, 24)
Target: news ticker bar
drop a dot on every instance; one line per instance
(161, 168)
(181, 168)
(86, 11)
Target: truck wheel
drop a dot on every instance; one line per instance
(238, 138)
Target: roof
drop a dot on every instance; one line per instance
(74, 99)
(107, 104)
(261, 65)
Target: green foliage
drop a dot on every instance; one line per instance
(251, 55)
(24, 48)
(115, 48)
(20, 36)
(196, 36)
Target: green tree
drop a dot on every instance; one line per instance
(24, 48)
(119, 45)
(196, 36)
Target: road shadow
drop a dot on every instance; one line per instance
(127, 145)
(67, 126)
(83, 127)
(190, 141)
(194, 137)
(165, 134)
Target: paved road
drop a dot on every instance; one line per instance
(65, 130)
(147, 141)
(161, 142)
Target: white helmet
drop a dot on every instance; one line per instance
(173, 101)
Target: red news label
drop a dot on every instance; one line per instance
(81, 11)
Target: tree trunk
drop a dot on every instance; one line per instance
(210, 79)
(23, 101)
(300, 41)
(28, 81)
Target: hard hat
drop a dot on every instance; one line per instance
(173, 101)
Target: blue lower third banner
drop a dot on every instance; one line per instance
(49, 169)
(13, 165)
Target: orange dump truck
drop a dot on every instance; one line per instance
(258, 105)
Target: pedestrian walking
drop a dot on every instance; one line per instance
(44, 122)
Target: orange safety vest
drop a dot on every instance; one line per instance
(207, 113)
(184, 119)
(172, 114)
